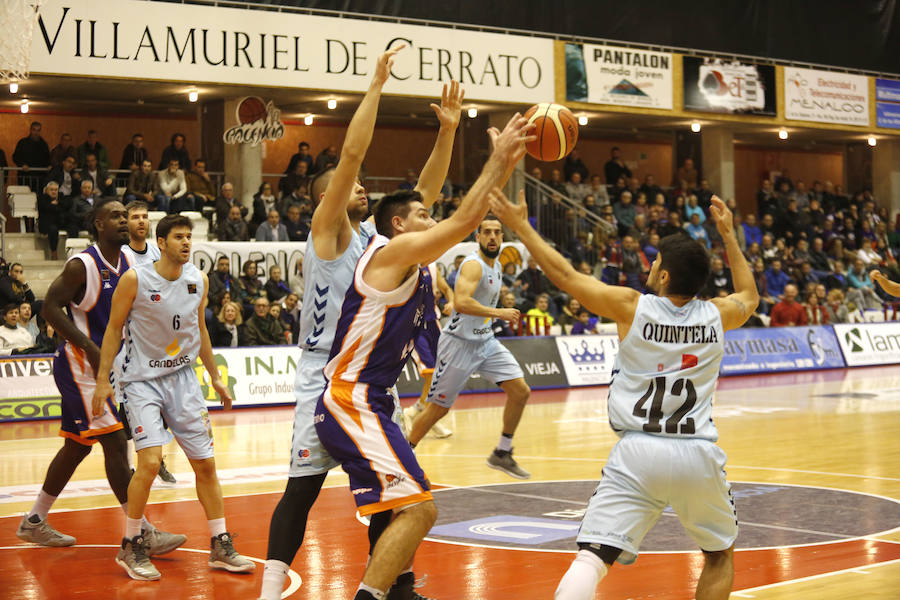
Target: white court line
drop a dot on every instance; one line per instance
(293, 576)
(746, 593)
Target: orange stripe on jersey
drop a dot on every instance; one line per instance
(377, 507)
(79, 355)
(76, 438)
(343, 396)
(346, 356)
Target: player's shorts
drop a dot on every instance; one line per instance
(644, 474)
(76, 383)
(308, 456)
(458, 359)
(354, 422)
(178, 399)
(426, 347)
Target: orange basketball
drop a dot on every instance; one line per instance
(556, 131)
(251, 110)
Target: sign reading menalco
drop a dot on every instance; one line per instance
(257, 121)
(200, 43)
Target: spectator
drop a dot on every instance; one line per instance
(651, 247)
(52, 215)
(297, 228)
(569, 314)
(502, 327)
(719, 279)
(693, 208)
(263, 202)
(650, 189)
(104, 184)
(752, 231)
(297, 283)
(290, 315)
(134, 154)
(815, 312)
(176, 150)
(697, 231)
(276, 289)
(221, 281)
(777, 280)
(534, 282)
(410, 182)
(538, 319)
(576, 189)
(262, 329)
(13, 337)
(625, 212)
(66, 177)
(32, 152)
(574, 164)
(93, 146)
(788, 313)
(784, 179)
(224, 203)
(142, 185)
(835, 308)
(82, 207)
(251, 286)
(634, 264)
(802, 196)
(556, 181)
(46, 341)
(200, 187)
(234, 229)
(272, 230)
(766, 301)
(227, 328)
(28, 320)
(326, 159)
(583, 325)
(296, 183)
(64, 148)
(599, 192)
(861, 291)
(686, 175)
(739, 232)
(766, 199)
(615, 167)
(302, 156)
(171, 192)
(703, 194)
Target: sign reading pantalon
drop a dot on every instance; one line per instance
(618, 75)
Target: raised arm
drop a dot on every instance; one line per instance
(466, 283)
(122, 300)
(433, 174)
(735, 308)
(206, 352)
(615, 302)
(886, 284)
(61, 292)
(330, 215)
(446, 290)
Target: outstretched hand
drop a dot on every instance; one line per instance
(514, 216)
(721, 214)
(385, 62)
(510, 143)
(448, 113)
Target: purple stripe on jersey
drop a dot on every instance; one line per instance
(98, 315)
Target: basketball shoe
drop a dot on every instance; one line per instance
(502, 460)
(161, 542)
(133, 558)
(405, 588)
(40, 532)
(164, 473)
(222, 555)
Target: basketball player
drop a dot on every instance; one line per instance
(139, 250)
(381, 317)
(660, 403)
(425, 354)
(468, 345)
(161, 306)
(86, 288)
(336, 242)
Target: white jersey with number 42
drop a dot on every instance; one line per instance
(666, 370)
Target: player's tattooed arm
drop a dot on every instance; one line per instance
(740, 305)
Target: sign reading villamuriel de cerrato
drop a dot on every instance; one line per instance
(193, 43)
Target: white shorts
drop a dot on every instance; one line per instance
(458, 359)
(177, 397)
(643, 475)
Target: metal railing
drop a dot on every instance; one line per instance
(378, 185)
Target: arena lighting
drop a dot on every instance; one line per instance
(24, 106)
(13, 87)
(695, 126)
(193, 95)
(473, 112)
(871, 140)
(308, 120)
(332, 104)
(582, 120)
(782, 134)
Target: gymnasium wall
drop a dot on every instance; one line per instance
(643, 158)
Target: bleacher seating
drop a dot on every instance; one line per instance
(23, 203)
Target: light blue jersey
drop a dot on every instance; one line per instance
(162, 331)
(326, 283)
(487, 293)
(150, 254)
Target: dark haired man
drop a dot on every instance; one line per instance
(667, 453)
(31, 152)
(134, 154)
(164, 303)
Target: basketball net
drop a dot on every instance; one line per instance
(17, 18)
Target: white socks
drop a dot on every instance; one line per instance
(217, 527)
(580, 581)
(378, 594)
(505, 443)
(42, 505)
(274, 574)
(145, 524)
(132, 527)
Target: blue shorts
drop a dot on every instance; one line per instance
(177, 397)
(354, 422)
(458, 359)
(426, 346)
(76, 383)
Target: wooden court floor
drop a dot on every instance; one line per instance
(814, 458)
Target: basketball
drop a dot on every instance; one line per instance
(556, 131)
(251, 109)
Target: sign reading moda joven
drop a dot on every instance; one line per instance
(185, 42)
(887, 103)
(826, 97)
(620, 76)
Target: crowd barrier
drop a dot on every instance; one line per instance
(264, 376)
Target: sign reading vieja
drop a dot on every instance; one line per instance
(204, 43)
(729, 87)
(257, 121)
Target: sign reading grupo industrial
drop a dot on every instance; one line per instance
(713, 85)
(185, 42)
(826, 97)
(618, 75)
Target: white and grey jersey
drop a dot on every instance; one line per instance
(666, 370)
(325, 285)
(150, 254)
(162, 331)
(487, 293)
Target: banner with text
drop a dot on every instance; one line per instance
(758, 350)
(27, 389)
(869, 343)
(213, 44)
(616, 75)
(826, 97)
(588, 359)
(712, 85)
(887, 103)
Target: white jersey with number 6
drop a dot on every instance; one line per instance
(666, 370)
